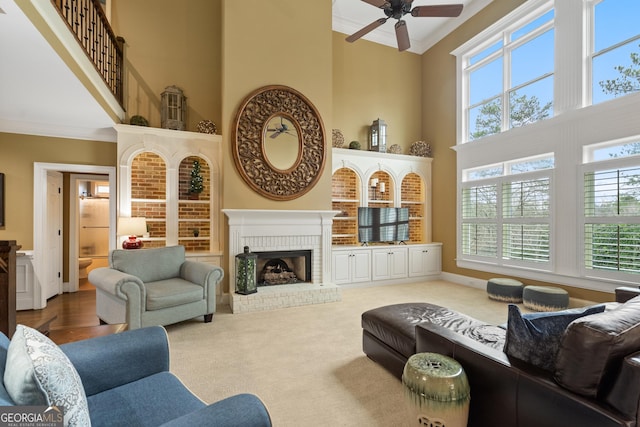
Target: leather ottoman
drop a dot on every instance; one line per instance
(389, 332)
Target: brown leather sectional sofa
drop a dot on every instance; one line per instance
(596, 382)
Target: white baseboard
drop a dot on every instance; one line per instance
(464, 280)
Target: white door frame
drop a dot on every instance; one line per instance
(40, 220)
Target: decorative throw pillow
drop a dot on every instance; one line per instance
(535, 338)
(39, 373)
(593, 348)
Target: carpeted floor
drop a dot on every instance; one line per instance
(306, 363)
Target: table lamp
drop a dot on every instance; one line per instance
(132, 227)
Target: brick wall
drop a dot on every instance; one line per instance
(413, 191)
(412, 188)
(148, 183)
(184, 177)
(148, 177)
(375, 193)
(345, 185)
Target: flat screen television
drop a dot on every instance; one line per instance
(383, 225)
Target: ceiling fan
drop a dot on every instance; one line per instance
(397, 9)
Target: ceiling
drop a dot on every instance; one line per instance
(351, 15)
(40, 95)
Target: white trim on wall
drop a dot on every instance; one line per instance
(40, 220)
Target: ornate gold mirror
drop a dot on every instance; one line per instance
(279, 143)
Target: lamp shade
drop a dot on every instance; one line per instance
(132, 227)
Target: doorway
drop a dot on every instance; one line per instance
(43, 267)
(89, 228)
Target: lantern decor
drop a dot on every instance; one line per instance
(173, 111)
(246, 272)
(378, 136)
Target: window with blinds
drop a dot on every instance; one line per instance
(526, 220)
(509, 218)
(612, 212)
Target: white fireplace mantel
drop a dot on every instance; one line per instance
(276, 230)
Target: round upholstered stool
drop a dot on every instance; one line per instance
(506, 290)
(436, 390)
(545, 298)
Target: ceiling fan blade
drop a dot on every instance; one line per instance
(375, 24)
(444, 11)
(382, 4)
(402, 35)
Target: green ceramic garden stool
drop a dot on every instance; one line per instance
(436, 390)
(545, 298)
(505, 290)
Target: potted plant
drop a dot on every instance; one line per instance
(195, 185)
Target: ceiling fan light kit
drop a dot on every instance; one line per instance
(396, 9)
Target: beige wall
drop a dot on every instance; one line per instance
(170, 42)
(372, 81)
(278, 42)
(17, 155)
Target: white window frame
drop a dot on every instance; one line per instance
(590, 54)
(502, 30)
(591, 165)
(575, 125)
(500, 220)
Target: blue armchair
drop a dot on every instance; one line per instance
(127, 382)
(157, 286)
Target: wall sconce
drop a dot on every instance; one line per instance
(132, 227)
(173, 108)
(378, 136)
(246, 272)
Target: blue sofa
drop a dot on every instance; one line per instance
(127, 382)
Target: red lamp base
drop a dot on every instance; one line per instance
(132, 243)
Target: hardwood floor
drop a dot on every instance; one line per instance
(72, 310)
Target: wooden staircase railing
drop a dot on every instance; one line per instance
(8, 250)
(87, 20)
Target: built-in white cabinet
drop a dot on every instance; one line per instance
(389, 263)
(371, 179)
(350, 266)
(386, 264)
(155, 168)
(26, 293)
(425, 260)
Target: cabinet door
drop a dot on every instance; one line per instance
(424, 260)
(417, 264)
(433, 260)
(361, 266)
(340, 270)
(380, 268)
(398, 265)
